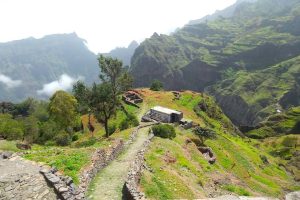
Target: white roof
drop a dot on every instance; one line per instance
(165, 110)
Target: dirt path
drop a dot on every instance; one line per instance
(109, 182)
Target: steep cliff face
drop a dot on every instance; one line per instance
(247, 60)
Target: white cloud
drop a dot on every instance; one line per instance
(8, 82)
(65, 82)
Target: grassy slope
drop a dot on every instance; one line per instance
(238, 169)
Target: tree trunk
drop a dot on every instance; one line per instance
(106, 128)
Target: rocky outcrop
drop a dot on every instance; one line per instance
(208, 154)
(237, 110)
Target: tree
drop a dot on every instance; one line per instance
(103, 103)
(113, 73)
(82, 93)
(31, 129)
(62, 109)
(10, 128)
(156, 85)
(106, 96)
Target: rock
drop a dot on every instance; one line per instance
(6, 154)
(293, 196)
(62, 189)
(54, 179)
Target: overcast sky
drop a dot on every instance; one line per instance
(105, 24)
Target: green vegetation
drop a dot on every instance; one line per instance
(164, 131)
(224, 57)
(278, 124)
(179, 170)
(156, 85)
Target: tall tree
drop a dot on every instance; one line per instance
(62, 109)
(103, 102)
(105, 98)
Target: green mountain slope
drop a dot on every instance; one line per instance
(36, 62)
(176, 169)
(258, 36)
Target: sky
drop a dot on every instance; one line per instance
(104, 24)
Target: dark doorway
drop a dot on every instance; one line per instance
(173, 118)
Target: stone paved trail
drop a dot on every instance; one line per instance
(21, 180)
(109, 182)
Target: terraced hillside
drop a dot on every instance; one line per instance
(248, 60)
(176, 168)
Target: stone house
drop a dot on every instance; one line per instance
(165, 115)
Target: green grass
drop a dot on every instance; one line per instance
(67, 160)
(236, 189)
(237, 158)
(8, 146)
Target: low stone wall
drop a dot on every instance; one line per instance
(64, 186)
(130, 189)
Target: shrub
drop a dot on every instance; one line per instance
(63, 139)
(111, 128)
(130, 121)
(164, 131)
(75, 137)
(289, 141)
(50, 143)
(204, 132)
(156, 85)
(91, 141)
(124, 124)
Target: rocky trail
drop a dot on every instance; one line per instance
(20, 179)
(109, 182)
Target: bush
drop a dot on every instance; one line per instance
(203, 132)
(111, 128)
(156, 85)
(289, 141)
(133, 120)
(164, 131)
(75, 137)
(91, 141)
(50, 143)
(63, 139)
(130, 121)
(124, 124)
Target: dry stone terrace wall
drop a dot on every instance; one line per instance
(131, 189)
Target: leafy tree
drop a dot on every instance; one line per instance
(25, 108)
(103, 103)
(40, 111)
(82, 93)
(10, 128)
(113, 73)
(63, 138)
(47, 131)
(105, 98)
(62, 109)
(31, 129)
(156, 85)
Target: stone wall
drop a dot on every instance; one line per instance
(64, 186)
(130, 189)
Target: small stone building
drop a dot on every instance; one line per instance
(165, 115)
